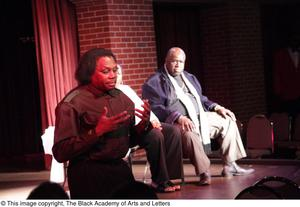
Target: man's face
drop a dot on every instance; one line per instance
(175, 63)
(105, 75)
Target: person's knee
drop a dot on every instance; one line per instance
(153, 138)
(176, 131)
(232, 125)
(187, 140)
(189, 136)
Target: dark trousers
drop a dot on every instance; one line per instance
(164, 152)
(89, 179)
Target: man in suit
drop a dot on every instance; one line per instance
(176, 97)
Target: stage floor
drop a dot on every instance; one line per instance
(17, 185)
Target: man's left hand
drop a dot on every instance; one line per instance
(225, 112)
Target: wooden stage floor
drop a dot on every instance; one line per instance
(17, 185)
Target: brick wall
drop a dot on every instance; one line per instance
(233, 57)
(246, 59)
(126, 27)
(215, 49)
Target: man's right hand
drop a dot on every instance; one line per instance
(156, 124)
(106, 124)
(186, 123)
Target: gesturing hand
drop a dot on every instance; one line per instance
(156, 124)
(144, 115)
(106, 124)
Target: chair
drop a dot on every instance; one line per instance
(285, 141)
(287, 189)
(258, 192)
(260, 138)
(137, 152)
(47, 140)
(57, 170)
(271, 187)
(296, 134)
(282, 126)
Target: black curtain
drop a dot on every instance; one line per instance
(20, 132)
(279, 22)
(179, 25)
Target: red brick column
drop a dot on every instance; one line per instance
(126, 27)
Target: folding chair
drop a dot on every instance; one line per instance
(285, 141)
(260, 138)
(296, 134)
(57, 170)
(271, 187)
(286, 188)
(258, 192)
(137, 151)
(282, 126)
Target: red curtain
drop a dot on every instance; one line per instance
(57, 52)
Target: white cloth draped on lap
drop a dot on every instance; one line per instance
(201, 126)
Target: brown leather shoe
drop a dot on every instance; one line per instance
(234, 170)
(205, 179)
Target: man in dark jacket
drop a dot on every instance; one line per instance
(176, 97)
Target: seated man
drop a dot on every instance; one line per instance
(162, 144)
(176, 97)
